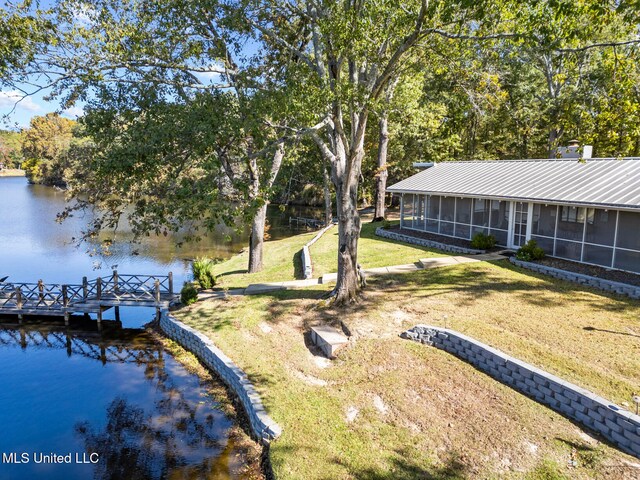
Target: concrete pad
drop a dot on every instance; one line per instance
(329, 278)
(219, 294)
(403, 268)
(328, 339)
(255, 288)
(466, 259)
(301, 283)
(436, 262)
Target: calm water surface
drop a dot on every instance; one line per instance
(115, 392)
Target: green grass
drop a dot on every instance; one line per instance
(282, 257)
(281, 260)
(444, 419)
(373, 251)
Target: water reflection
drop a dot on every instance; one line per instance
(113, 392)
(33, 245)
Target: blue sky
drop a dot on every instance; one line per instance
(29, 107)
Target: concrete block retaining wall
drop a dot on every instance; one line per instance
(595, 282)
(262, 426)
(307, 266)
(620, 427)
(423, 242)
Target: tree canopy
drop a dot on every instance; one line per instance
(193, 106)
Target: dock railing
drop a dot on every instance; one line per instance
(115, 288)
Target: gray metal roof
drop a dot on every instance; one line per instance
(598, 182)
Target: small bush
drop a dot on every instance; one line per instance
(530, 252)
(188, 294)
(386, 224)
(482, 241)
(202, 268)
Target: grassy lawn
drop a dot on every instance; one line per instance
(281, 260)
(282, 257)
(390, 408)
(373, 251)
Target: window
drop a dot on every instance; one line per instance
(447, 208)
(572, 214)
(433, 207)
(463, 210)
(499, 214)
(601, 227)
(628, 228)
(571, 224)
(544, 220)
(481, 212)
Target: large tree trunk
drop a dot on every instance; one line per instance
(328, 211)
(381, 177)
(345, 172)
(347, 286)
(256, 240)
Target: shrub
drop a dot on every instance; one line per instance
(188, 294)
(482, 241)
(202, 268)
(530, 252)
(386, 224)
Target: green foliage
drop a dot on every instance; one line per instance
(530, 252)
(547, 470)
(386, 224)
(45, 147)
(482, 241)
(188, 294)
(203, 271)
(10, 149)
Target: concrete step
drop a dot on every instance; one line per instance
(328, 339)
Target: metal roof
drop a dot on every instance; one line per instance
(595, 182)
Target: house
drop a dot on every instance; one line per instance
(584, 210)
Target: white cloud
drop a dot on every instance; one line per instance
(73, 112)
(83, 15)
(11, 98)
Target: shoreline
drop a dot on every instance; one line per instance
(255, 457)
(12, 172)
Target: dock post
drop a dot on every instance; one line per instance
(65, 304)
(85, 288)
(40, 291)
(116, 310)
(157, 314)
(98, 288)
(156, 286)
(115, 281)
(99, 315)
(19, 303)
(171, 283)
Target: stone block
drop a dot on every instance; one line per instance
(578, 407)
(613, 425)
(328, 339)
(619, 439)
(601, 427)
(596, 416)
(631, 435)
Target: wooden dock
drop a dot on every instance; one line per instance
(92, 296)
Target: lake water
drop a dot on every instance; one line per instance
(114, 392)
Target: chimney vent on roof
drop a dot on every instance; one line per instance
(574, 150)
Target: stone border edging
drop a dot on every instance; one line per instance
(307, 267)
(262, 426)
(595, 282)
(620, 427)
(423, 242)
